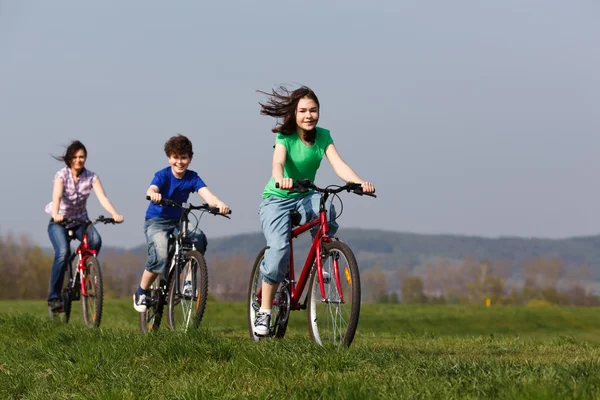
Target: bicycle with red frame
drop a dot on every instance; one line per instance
(331, 272)
(84, 276)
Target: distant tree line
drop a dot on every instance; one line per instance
(25, 271)
(544, 281)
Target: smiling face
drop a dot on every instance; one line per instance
(179, 164)
(78, 161)
(307, 114)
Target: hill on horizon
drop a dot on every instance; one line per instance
(390, 250)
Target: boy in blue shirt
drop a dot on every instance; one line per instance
(174, 183)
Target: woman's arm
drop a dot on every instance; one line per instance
(57, 193)
(279, 156)
(105, 202)
(343, 170)
(212, 200)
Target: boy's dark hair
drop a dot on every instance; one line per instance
(72, 148)
(179, 145)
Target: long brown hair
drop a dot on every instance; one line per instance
(282, 104)
(72, 148)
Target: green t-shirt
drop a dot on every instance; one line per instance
(301, 162)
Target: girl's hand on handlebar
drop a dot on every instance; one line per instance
(118, 218)
(155, 197)
(58, 218)
(367, 187)
(286, 183)
(223, 208)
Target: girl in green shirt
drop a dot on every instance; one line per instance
(299, 148)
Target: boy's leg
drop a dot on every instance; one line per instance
(199, 239)
(157, 232)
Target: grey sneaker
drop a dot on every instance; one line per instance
(262, 324)
(326, 277)
(139, 302)
(55, 305)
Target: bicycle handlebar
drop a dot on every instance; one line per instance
(188, 206)
(304, 185)
(100, 218)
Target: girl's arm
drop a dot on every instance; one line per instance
(57, 193)
(343, 170)
(105, 202)
(212, 200)
(279, 156)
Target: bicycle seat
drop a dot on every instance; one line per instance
(295, 217)
(70, 234)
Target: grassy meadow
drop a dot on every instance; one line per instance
(445, 352)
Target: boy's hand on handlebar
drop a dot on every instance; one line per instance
(118, 218)
(223, 208)
(285, 183)
(155, 197)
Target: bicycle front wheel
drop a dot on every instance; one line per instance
(188, 302)
(333, 320)
(151, 318)
(91, 303)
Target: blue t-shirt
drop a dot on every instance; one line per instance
(173, 188)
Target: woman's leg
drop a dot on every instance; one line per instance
(62, 251)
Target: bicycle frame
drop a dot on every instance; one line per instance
(297, 287)
(83, 252)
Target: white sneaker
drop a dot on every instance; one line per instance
(262, 324)
(326, 277)
(139, 302)
(187, 289)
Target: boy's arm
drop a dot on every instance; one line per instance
(213, 200)
(154, 193)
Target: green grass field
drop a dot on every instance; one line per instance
(399, 352)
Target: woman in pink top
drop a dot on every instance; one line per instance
(72, 187)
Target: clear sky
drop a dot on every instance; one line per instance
(477, 118)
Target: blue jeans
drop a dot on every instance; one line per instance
(277, 227)
(62, 251)
(157, 232)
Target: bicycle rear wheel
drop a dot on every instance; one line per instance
(188, 302)
(151, 318)
(280, 310)
(91, 303)
(333, 320)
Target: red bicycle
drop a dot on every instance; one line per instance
(84, 276)
(331, 272)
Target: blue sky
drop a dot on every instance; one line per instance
(476, 118)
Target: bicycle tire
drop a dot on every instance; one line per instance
(67, 303)
(188, 309)
(280, 311)
(67, 291)
(330, 321)
(151, 319)
(91, 303)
